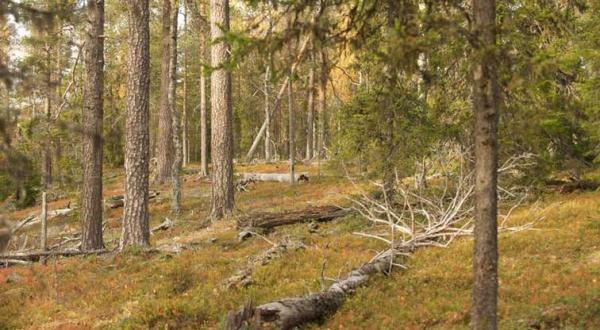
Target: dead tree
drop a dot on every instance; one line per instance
(420, 221)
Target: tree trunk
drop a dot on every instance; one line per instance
(184, 138)
(176, 165)
(135, 214)
(267, 112)
(291, 131)
(322, 105)
(486, 112)
(311, 109)
(277, 102)
(203, 125)
(93, 110)
(164, 138)
(221, 113)
(203, 105)
(47, 153)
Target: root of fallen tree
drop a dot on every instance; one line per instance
(269, 220)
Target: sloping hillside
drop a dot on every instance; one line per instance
(548, 275)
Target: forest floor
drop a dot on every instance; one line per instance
(549, 275)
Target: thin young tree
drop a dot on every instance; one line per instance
(322, 108)
(164, 137)
(135, 214)
(221, 112)
(93, 109)
(486, 112)
(176, 122)
(184, 112)
(198, 11)
(310, 108)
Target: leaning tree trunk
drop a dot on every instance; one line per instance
(485, 110)
(221, 112)
(135, 214)
(176, 165)
(164, 138)
(91, 194)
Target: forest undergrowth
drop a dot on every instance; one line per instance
(548, 274)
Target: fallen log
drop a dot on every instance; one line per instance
(581, 185)
(32, 220)
(167, 224)
(276, 177)
(117, 201)
(36, 255)
(268, 220)
(291, 312)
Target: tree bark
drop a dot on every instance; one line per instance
(310, 109)
(322, 105)
(176, 165)
(93, 111)
(164, 138)
(184, 119)
(291, 131)
(269, 220)
(221, 113)
(486, 112)
(277, 102)
(135, 214)
(267, 112)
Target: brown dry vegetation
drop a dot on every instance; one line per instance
(549, 276)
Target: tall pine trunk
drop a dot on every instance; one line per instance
(176, 123)
(184, 114)
(135, 214)
(164, 138)
(486, 112)
(93, 111)
(203, 104)
(221, 113)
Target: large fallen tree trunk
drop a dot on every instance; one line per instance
(32, 219)
(118, 201)
(268, 220)
(277, 177)
(290, 312)
(36, 255)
